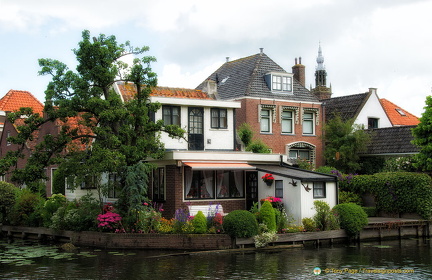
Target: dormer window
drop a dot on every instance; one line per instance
(279, 82)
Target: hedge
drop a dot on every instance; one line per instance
(398, 192)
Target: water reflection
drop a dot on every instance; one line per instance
(296, 263)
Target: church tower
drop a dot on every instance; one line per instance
(321, 90)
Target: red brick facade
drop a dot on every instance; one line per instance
(276, 140)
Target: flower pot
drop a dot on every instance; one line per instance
(269, 182)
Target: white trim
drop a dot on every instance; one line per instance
(195, 102)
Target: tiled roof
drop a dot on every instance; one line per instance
(16, 99)
(347, 107)
(246, 77)
(391, 140)
(397, 115)
(128, 91)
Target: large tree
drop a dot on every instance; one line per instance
(343, 142)
(423, 138)
(99, 133)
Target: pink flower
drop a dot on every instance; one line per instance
(145, 203)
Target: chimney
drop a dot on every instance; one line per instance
(299, 72)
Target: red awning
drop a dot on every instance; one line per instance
(218, 165)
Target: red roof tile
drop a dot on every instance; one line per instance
(128, 91)
(397, 115)
(16, 99)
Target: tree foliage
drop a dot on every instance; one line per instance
(423, 139)
(343, 142)
(99, 133)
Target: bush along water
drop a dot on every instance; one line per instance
(268, 216)
(352, 217)
(240, 223)
(199, 223)
(324, 218)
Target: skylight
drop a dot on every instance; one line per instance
(400, 111)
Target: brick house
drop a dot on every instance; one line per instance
(205, 168)
(13, 101)
(275, 103)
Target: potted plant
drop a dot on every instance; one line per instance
(268, 179)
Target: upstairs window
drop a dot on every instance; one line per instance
(219, 118)
(265, 120)
(373, 123)
(171, 115)
(308, 123)
(287, 121)
(279, 82)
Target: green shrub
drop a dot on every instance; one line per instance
(324, 218)
(268, 216)
(349, 197)
(51, 205)
(245, 133)
(8, 193)
(309, 224)
(352, 217)
(258, 146)
(398, 192)
(240, 223)
(79, 215)
(27, 209)
(200, 223)
(370, 211)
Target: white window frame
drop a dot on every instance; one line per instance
(310, 121)
(319, 189)
(287, 119)
(266, 118)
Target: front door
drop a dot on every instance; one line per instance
(251, 188)
(196, 129)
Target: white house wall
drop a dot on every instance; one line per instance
(373, 109)
(297, 201)
(307, 199)
(214, 139)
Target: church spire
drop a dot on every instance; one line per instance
(321, 90)
(320, 59)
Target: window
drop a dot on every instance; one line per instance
(281, 83)
(265, 120)
(287, 121)
(211, 184)
(159, 184)
(400, 111)
(171, 115)
(319, 190)
(299, 154)
(279, 188)
(372, 123)
(219, 118)
(229, 183)
(113, 185)
(89, 183)
(8, 143)
(308, 123)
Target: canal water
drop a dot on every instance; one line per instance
(405, 259)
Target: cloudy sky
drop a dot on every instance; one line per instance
(385, 44)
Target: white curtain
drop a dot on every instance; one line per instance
(188, 180)
(238, 178)
(208, 181)
(219, 183)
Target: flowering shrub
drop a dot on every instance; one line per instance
(215, 223)
(264, 237)
(268, 178)
(166, 226)
(271, 199)
(109, 221)
(291, 229)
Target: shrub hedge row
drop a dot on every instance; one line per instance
(398, 192)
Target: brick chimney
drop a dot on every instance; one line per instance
(299, 72)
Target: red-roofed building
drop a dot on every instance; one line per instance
(397, 115)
